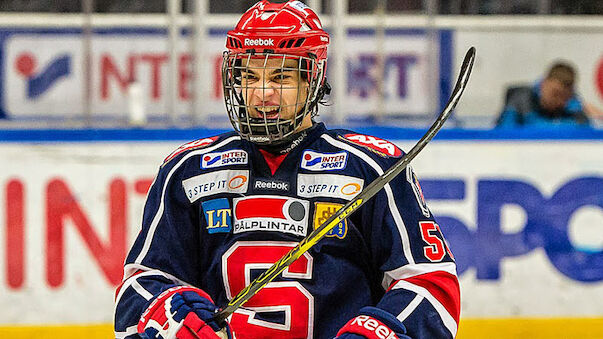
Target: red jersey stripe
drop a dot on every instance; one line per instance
(444, 287)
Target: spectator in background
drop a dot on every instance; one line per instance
(549, 102)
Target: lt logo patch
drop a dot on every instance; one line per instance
(218, 215)
(322, 212)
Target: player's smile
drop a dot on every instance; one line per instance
(269, 111)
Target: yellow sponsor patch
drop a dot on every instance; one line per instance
(322, 212)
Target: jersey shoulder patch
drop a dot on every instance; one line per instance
(197, 144)
(376, 145)
(413, 180)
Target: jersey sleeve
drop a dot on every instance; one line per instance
(161, 256)
(417, 267)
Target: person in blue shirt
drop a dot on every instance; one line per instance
(551, 102)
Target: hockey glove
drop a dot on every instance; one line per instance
(181, 312)
(373, 323)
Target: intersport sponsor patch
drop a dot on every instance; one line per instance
(219, 159)
(329, 186)
(271, 214)
(227, 181)
(315, 161)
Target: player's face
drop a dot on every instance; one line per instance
(274, 89)
(554, 95)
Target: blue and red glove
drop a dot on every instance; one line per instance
(182, 312)
(373, 323)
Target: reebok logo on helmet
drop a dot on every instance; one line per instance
(259, 42)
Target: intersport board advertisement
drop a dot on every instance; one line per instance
(40, 67)
(524, 220)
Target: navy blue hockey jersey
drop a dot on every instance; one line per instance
(220, 212)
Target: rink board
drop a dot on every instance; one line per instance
(469, 329)
(523, 217)
(34, 92)
(41, 66)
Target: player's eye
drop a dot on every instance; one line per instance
(249, 77)
(282, 77)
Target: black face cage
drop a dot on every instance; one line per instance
(264, 130)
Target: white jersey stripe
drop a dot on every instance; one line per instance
(159, 214)
(447, 319)
(388, 191)
(133, 278)
(129, 331)
(131, 281)
(131, 269)
(408, 271)
(410, 308)
(141, 290)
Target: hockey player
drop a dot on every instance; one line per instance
(222, 209)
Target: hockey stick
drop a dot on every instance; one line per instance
(354, 204)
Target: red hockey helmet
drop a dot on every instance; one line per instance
(281, 31)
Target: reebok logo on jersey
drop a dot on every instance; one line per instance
(227, 181)
(411, 177)
(217, 215)
(259, 42)
(381, 146)
(322, 212)
(271, 185)
(328, 186)
(271, 214)
(315, 161)
(218, 159)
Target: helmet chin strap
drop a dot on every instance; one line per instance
(258, 130)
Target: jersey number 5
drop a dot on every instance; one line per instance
(285, 297)
(436, 250)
